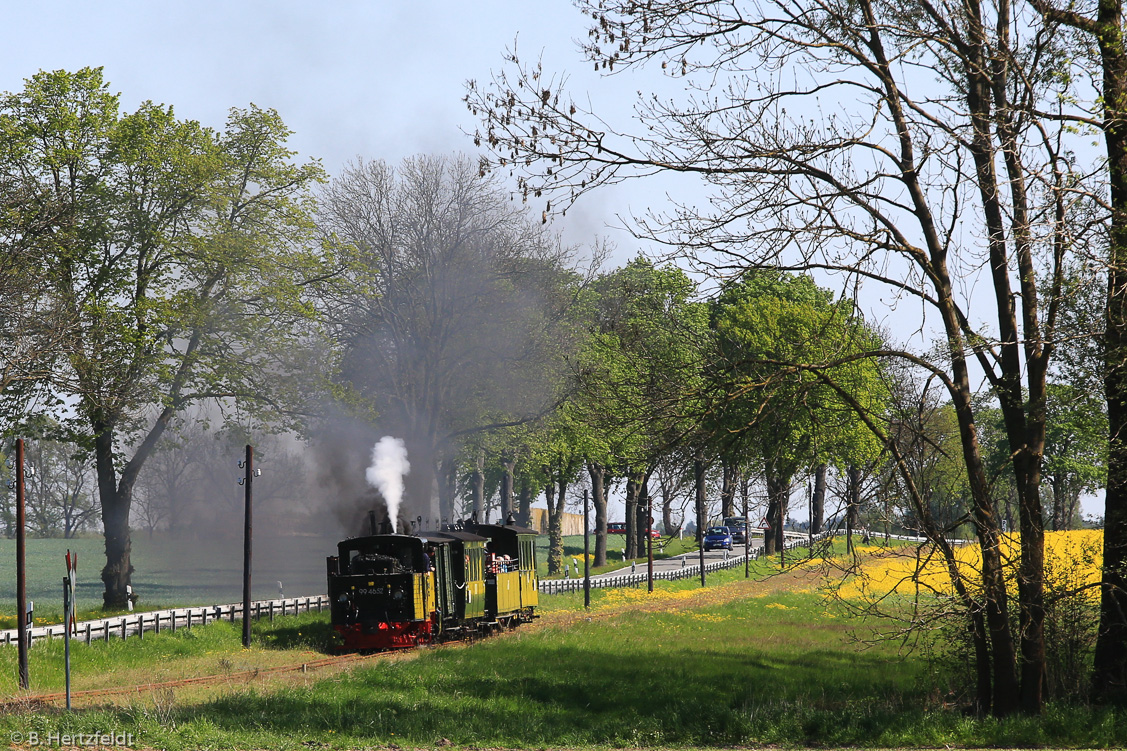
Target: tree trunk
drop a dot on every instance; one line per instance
(1072, 493)
(1056, 513)
(524, 509)
(852, 504)
(730, 477)
(555, 525)
(599, 503)
(1110, 675)
(477, 486)
(554, 556)
(818, 512)
(115, 519)
(116, 497)
(448, 488)
(1109, 678)
(644, 509)
(508, 462)
(631, 516)
(778, 488)
(667, 509)
(419, 496)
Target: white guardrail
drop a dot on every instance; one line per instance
(136, 624)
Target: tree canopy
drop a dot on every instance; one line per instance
(178, 255)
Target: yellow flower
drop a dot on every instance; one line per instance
(1072, 559)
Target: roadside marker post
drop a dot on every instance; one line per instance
(586, 550)
(69, 614)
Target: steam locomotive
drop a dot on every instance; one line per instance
(394, 591)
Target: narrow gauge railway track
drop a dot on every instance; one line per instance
(31, 699)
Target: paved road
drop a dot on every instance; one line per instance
(676, 562)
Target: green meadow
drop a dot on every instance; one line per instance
(169, 573)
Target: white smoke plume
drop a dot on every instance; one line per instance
(389, 465)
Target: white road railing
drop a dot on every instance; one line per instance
(136, 624)
(610, 581)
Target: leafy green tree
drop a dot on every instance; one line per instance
(773, 330)
(35, 328)
(559, 456)
(1075, 450)
(639, 379)
(180, 259)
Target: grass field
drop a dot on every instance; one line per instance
(168, 572)
(740, 663)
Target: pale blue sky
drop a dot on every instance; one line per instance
(380, 80)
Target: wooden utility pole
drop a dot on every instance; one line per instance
(247, 481)
(24, 627)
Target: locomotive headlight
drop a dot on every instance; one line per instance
(343, 599)
(397, 594)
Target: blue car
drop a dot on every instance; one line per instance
(717, 538)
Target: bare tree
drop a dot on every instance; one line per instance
(447, 309)
(62, 496)
(896, 146)
(189, 485)
(1101, 25)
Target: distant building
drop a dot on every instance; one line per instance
(572, 523)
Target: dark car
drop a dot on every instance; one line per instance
(717, 538)
(739, 534)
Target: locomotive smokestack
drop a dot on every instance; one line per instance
(389, 465)
(372, 521)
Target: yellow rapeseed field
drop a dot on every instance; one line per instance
(1072, 559)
